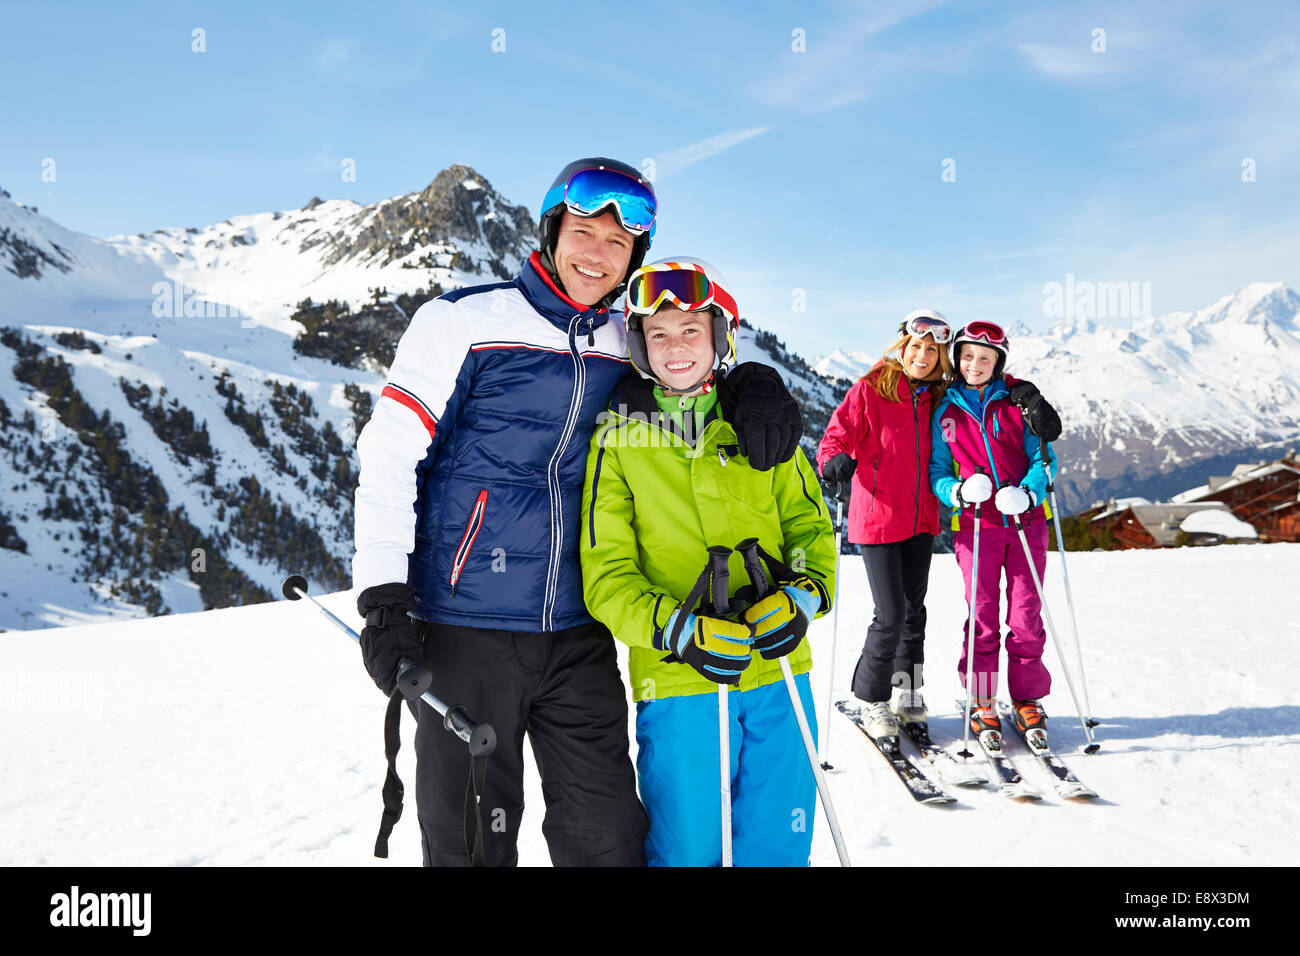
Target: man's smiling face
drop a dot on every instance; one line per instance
(591, 256)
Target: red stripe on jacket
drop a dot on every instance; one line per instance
(404, 398)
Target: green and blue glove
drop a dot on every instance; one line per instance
(719, 649)
(781, 619)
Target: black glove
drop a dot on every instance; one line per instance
(1040, 416)
(764, 413)
(391, 638)
(840, 468)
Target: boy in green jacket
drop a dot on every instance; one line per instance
(665, 481)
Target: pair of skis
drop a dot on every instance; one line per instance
(921, 787)
(1009, 781)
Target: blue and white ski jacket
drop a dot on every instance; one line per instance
(473, 462)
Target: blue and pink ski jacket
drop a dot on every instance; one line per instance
(969, 434)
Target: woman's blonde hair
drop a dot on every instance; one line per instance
(885, 375)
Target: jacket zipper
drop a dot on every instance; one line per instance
(875, 473)
(553, 478)
(916, 436)
(472, 529)
(988, 450)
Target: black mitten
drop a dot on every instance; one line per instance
(763, 412)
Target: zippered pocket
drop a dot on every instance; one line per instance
(875, 473)
(467, 540)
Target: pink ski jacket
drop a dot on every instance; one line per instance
(891, 497)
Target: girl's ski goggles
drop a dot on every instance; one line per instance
(989, 332)
(686, 288)
(936, 328)
(589, 191)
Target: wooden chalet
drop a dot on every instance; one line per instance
(1153, 526)
(1267, 495)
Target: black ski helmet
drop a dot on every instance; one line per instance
(549, 221)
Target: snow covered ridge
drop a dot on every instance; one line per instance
(1158, 406)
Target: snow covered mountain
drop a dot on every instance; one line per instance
(178, 410)
(1157, 407)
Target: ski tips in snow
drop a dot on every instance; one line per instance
(1067, 785)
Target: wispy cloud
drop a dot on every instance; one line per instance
(1024, 253)
(1066, 61)
(332, 54)
(675, 160)
(828, 66)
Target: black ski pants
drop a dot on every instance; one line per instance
(564, 689)
(899, 574)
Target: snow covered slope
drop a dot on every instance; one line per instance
(174, 741)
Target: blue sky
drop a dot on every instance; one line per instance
(801, 148)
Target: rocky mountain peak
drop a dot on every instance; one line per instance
(459, 206)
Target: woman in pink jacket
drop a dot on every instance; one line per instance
(880, 438)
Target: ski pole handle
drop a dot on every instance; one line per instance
(754, 566)
(482, 739)
(720, 575)
(413, 678)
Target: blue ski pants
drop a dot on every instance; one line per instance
(773, 792)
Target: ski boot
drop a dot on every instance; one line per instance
(908, 706)
(1029, 715)
(880, 722)
(984, 722)
(1031, 721)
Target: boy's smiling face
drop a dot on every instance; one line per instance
(679, 346)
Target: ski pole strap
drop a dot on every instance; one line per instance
(393, 789)
(1047, 465)
(473, 817)
(692, 599)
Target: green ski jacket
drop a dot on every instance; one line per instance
(665, 481)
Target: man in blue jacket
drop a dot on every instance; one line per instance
(467, 520)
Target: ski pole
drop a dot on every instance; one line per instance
(970, 629)
(413, 680)
(825, 748)
(758, 578)
(1065, 575)
(1051, 628)
(720, 575)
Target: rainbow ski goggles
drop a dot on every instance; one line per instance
(927, 323)
(588, 192)
(678, 283)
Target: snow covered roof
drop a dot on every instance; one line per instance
(1191, 494)
(1241, 474)
(1216, 521)
(1163, 522)
(1115, 505)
